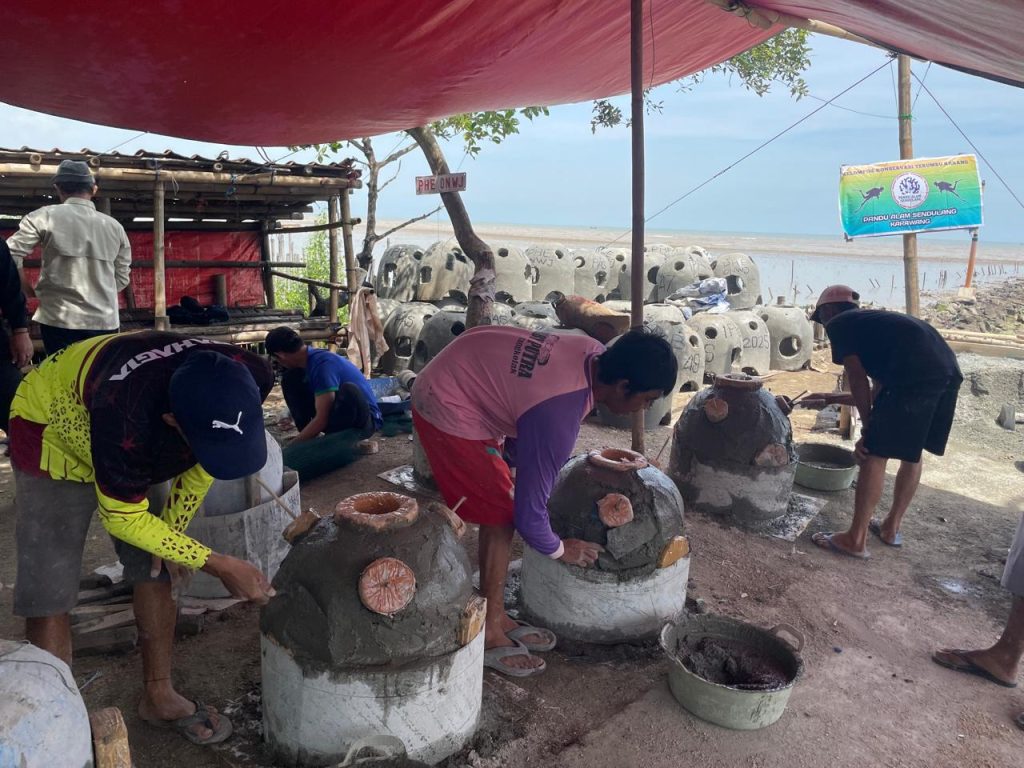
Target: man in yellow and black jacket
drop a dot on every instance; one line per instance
(93, 428)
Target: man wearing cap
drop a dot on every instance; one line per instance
(92, 428)
(86, 261)
(16, 348)
(907, 406)
(323, 390)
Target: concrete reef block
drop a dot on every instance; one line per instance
(593, 275)
(743, 278)
(513, 274)
(398, 272)
(652, 264)
(553, 270)
(792, 336)
(443, 268)
(437, 333)
(755, 343)
(534, 315)
(682, 267)
(721, 340)
(741, 466)
(585, 482)
(401, 331)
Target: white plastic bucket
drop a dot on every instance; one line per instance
(312, 718)
(595, 606)
(43, 720)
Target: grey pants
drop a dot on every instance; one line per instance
(52, 522)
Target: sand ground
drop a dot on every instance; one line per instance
(870, 696)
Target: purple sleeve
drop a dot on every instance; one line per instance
(546, 435)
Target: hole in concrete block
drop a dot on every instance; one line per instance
(749, 371)
(425, 275)
(417, 255)
(689, 386)
(694, 341)
(652, 275)
(600, 298)
(559, 254)
(734, 284)
(389, 274)
(580, 262)
(679, 266)
(449, 263)
(458, 328)
(460, 256)
(711, 333)
(752, 325)
(736, 355)
(714, 264)
(623, 268)
(503, 252)
(600, 278)
(403, 346)
(790, 346)
(620, 257)
(765, 318)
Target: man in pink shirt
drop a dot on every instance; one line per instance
(521, 393)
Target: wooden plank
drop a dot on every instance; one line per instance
(117, 640)
(122, 618)
(988, 350)
(94, 595)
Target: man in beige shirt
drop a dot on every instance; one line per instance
(86, 261)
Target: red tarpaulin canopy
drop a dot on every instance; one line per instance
(275, 72)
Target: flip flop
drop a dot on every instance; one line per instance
(968, 667)
(824, 541)
(202, 716)
(493, 658)
(875, 526)
(524, 629)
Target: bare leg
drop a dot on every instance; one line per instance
(869, 491)
(51, 633)
(155, 615)
(907, 480)
(1002, 659)
(495, 551)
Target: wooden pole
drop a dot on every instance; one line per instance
(351, 268)
(972, 258)
(638, 276)
(333, 218)
(160, 321)
(268, 278)
(910, 280)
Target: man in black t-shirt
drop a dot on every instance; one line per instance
(907, 406)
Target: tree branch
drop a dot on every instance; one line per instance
(397, 171)
(398, 153)
(405, 224)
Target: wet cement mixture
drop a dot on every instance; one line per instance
(869, 696)
(734, 664)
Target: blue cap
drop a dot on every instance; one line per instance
(218, 406)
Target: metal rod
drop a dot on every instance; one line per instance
(334, 219)
(351, 269)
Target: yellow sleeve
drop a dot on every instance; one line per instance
(132, 523)
(187, 492)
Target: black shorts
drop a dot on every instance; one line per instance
(908, 420)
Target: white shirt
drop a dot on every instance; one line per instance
(86, 261)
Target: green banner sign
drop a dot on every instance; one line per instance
(919, 195)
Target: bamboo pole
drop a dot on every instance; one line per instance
(351, 269)
(334, 220)
(24, 170)
(160, 321)
(638, 275)
(268, 279)
(203, 264)
(309, 281)
(910, 279)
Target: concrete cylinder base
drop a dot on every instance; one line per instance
(312, 718)
(597, 607)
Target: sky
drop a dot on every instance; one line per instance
(556, 172)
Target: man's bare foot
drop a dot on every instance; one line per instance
(501, 640)
(983, 663)
(508, 624)
(167, 705)
(840, 544)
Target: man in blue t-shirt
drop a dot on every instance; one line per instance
(323, 390)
